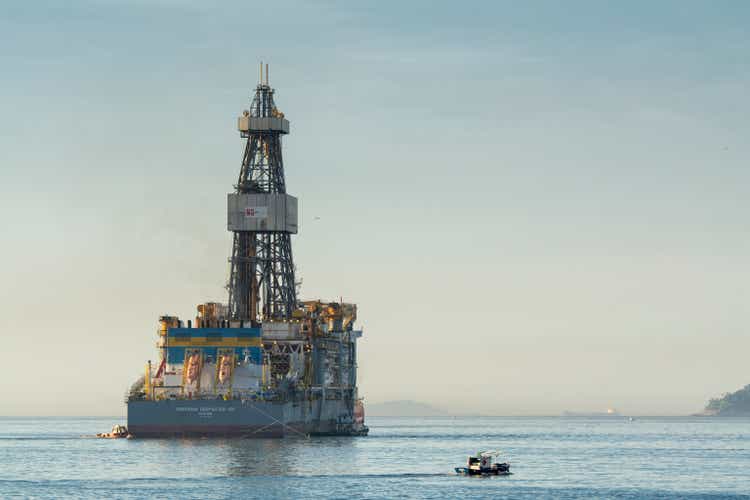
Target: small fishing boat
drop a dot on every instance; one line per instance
(485, 463)
(118, 432)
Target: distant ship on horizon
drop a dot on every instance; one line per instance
(611, 412)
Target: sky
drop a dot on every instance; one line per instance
(538, 206)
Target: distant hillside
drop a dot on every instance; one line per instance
(731, 404)
(402, 409)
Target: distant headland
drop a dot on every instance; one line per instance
(731, 404)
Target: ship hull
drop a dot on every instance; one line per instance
(239, 418)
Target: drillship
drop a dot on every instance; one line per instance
(265, 364)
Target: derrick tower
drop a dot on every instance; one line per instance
(262, 218)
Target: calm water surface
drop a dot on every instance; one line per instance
(403, 457)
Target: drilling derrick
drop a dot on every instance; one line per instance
(262, 217)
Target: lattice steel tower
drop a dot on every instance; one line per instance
(262, 217)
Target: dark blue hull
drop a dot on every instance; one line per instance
(239, 418)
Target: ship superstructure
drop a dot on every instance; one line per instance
(265, 363)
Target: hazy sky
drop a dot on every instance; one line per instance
(538, 206)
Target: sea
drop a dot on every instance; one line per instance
(414, 457)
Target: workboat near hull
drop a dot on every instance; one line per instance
(239, 418)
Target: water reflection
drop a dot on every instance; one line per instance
(290, 456)
(258, 457)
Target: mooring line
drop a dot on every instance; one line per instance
(306, 436)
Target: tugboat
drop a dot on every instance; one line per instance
(485, 463)
(118, 432)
